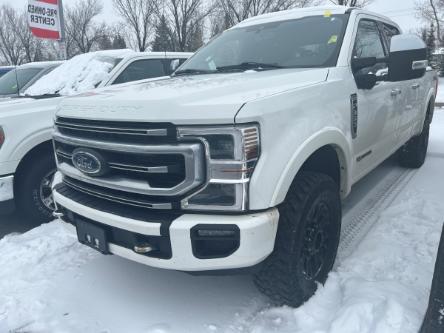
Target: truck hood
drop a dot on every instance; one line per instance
(20, 106)
(198, 99)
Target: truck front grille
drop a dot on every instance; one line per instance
(146, 165)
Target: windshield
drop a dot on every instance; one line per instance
(313, 41)
(8, 82)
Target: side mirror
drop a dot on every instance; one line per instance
(408, 58)
(174, 65)
(366, 81)
(361, 63)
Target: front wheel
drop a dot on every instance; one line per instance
(306, 243)
(34, 196)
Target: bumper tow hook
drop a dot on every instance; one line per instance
(143, 248)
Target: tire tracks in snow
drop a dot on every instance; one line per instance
(360, 219)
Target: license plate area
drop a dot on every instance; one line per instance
(93, 236)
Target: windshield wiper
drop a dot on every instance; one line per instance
(43, 96)
(249, 65)
(192, 71)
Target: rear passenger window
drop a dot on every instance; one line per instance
(368, 41)
(140, 70)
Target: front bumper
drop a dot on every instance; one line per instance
(257, 233)
(6, 194)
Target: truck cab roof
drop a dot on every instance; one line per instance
(304, 12)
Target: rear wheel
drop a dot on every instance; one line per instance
(414, 152)
(306, 243)
(34, 196)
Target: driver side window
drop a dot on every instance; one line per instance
(369, 44)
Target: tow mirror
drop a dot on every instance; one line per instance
(361, 63)
(408, 58)
(367, 80)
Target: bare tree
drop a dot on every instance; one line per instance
(32, 47)
(231, 12)
(82, 32)
(140, 16)
(432, 11)
(10, 46)
(352, 3)
(186, 19)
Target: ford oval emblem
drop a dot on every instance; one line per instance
(89, 162)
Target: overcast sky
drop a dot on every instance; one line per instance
(401, 11)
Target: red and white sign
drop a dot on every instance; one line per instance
(44, 18)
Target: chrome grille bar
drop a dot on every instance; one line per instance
(127, 167)
(113, 130)
(118, 199)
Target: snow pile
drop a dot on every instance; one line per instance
(29, 263)
(79, 74)
(382, 288)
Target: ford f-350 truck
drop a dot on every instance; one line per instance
(241, 159)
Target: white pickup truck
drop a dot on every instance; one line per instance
(26, 156)
(242, 157)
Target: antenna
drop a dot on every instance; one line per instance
(17, 81)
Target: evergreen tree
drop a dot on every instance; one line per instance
(424, 32)
(162, 40)
(119, 42)
(104, 43)
(431, 41)
(196, 39)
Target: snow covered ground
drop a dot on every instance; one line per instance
(50, 283)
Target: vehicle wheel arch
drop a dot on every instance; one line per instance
(430, 109)
(315, 155)
(42, 148)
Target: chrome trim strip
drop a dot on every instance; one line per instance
(127, 167)
(137, 168)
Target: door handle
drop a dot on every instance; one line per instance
(416, 86)
(396, 92)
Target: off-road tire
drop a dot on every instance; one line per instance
(27, 190)
(283, 276)
(414, 152)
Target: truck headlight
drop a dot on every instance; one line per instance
(232, 153)
(2, 136)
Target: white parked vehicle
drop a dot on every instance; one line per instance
(241, 159)
(26, 156)
(17, 80)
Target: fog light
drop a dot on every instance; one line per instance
(210, 241)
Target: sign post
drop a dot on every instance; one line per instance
(45, 19)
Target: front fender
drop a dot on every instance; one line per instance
(32, 141)
(327, 137)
